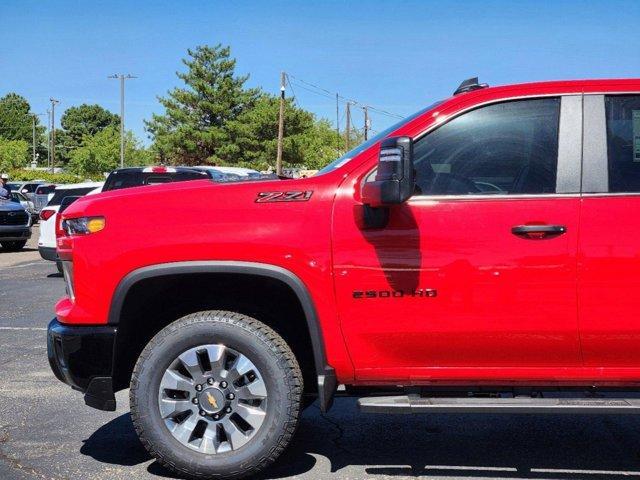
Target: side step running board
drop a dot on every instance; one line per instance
(418, 404)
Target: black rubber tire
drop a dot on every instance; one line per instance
(13, 246)
(264, 347)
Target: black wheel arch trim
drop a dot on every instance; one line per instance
(327, 382)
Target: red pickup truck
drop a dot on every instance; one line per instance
(480, 256)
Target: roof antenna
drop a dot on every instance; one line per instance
(470, 84)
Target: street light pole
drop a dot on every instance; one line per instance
(122, 77)
(33, 117)
(54, 102)
(33, 159)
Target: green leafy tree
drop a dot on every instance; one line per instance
(16, 123)
(100, 153)
(194, 125)
(13, 154)
(79, 122)
(253, 136)
(321, 145)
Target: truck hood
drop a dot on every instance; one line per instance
(10, 207)
(181, 195)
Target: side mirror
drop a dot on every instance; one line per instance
(394, 182)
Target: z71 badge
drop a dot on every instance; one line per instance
(298, 196)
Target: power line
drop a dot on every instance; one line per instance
(291, 86)
(328, 94)
(314, 86)
(331, 96)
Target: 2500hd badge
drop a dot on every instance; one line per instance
(420, 292)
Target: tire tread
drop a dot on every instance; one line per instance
(286, 361)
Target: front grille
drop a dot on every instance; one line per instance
(14, 218)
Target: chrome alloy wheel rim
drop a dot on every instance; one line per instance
(212, 399)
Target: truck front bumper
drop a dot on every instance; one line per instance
(14, 234)
(82, 357)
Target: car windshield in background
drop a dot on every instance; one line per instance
(59, 194)
(45, 189)
(338, 162)
(19, 197)
(136, 178)
(30, 187)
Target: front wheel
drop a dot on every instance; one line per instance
(14, 246)
(216, 395)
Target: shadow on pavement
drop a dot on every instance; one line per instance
(22, 250)
(116, 443)
(478, 446)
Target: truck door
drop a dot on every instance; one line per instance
(475, 276)
(609, 249)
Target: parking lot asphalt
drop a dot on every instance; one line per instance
(46, 431)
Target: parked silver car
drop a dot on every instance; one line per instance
(27, 204)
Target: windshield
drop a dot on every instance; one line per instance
(338, 162)
(120, 179)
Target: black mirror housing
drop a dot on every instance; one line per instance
(395, 180)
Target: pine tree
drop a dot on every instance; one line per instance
(193, 130)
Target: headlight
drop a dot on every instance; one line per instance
(83, 225)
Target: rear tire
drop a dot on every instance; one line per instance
(13, 246)
(250, 420)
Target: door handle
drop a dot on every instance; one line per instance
(538, 231)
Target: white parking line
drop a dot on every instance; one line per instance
(24, 265)
(585, 472)
(38, 329)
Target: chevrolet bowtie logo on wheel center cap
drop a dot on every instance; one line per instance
(211, 400)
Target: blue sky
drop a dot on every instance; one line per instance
(397, 56)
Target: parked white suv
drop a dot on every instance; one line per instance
(49, 214)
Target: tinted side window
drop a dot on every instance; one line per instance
(623, 142)
(58, 195)
(500, 149)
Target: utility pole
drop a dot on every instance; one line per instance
(48, 138)
(122, 77)
(337, 114)
(348, 130)
(366, 123)
(280, 125)
(53, 133)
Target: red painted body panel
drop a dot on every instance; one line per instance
(216, 222)
(609, 281)
(502, 301)
(507, 310)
